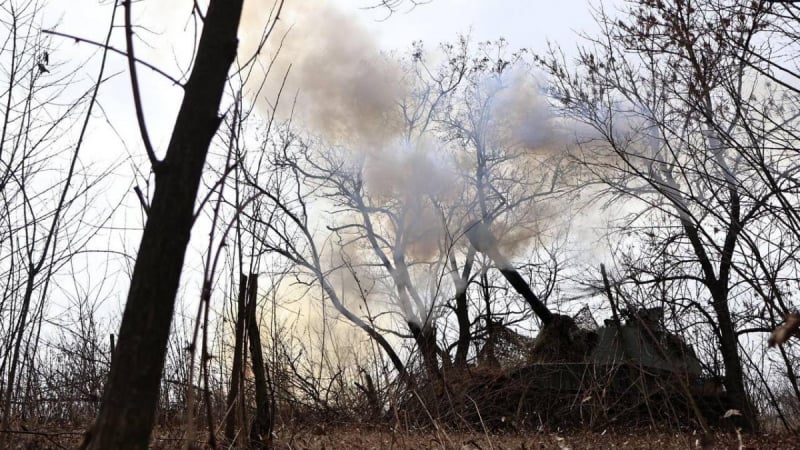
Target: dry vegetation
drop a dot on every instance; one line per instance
(360, 437)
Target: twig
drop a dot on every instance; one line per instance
(43, 433)
(117, 51)
(142, 200)
(137, 97)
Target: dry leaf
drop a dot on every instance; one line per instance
(785, 331)
(732, 412)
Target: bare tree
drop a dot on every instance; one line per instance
(671, 95)
(282, 224)
(400, 213)
(41, 220)
(129, 401)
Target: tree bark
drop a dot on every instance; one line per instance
(462, 312)
(718, 287)
(734, 373)
(261, 429)
(236, 369)
(126, 416)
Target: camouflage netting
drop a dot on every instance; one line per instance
(567, 339)
(562, 341)
(504, 348)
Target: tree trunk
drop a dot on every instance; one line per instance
(734, 373)
(17, 342)
(126, 416)
(462, 313)
(261, 429)
(425, 338)
(371, 392)
(236, 370)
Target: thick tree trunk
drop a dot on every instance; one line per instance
(127, 413)
(425, 337)
(260, 430)
(734, 373)
(236, 370)
(719, 290)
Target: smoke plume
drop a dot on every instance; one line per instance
(347, 92)
(345, 87)
(525, 115)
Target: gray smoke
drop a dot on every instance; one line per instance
(346, 88)
(348, 93)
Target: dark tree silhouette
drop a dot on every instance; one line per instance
(128, 409)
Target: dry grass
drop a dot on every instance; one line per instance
(358, 437)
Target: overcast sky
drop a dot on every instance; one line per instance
(166, 35)
(524, 23)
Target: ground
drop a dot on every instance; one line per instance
(369, 438)
(356, 438)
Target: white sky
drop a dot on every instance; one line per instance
(167, 33)
(524, 23)
(166, 36)
(167, 30)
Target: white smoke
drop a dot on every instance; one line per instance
(524, 113)
(348, 93)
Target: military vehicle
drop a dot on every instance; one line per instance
(629, 369)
